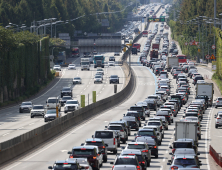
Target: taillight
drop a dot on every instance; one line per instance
(112, 167)
(153, 136)
(174, 167)
(156, 70)
(217, 101)
(145, 151)
(94, 157)
(198, 128)
(173, 150)
(86, 167)
(174, 110)
(114, 141)
(70, 156)
(218, 118)
(121, 130)
(138, 167)
(138, 118)
(154, 147)
(104, 147)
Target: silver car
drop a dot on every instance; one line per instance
(218, 102)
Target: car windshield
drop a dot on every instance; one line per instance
(184, 161)
(184, 151)
(182, 145)
(154, 123)
(52, 101)
(66, 98)
(97, 77)
(104, 134)
(66, 166)
(38, 107)
(115, 128)
(95, 143)
(77, 78)
(152, 97)
(145, 133)
(220, 99)
(56, 66)
(26, 103)
(136, 108)
(132, 114)
(83, 151)
(66, 89)
(72, 102)
(113, 76)
(193, 115)
(51, 112)
(71, 65)
(136, 146)
(126, 161)
(132, 123)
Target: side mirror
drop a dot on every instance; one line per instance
(50, 167)
(69, 152)
(170, 147)
(82, 144)
(106, 145)
(106, 126)
(200, 125)
(170, 153)
(123, 147)
(198, 153)
(144, 124)
(183, 116)
(124, 115)
(134, 134)
(111, 163)
(200, 164)
(46, 102)
(92, 136)
(215, 116)
(168, 163)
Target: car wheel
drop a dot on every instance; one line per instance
(124, 141)
(65, 111)
(104, 158)
(46, 120)
(167, 128)
(115, 151)
(137, 129)
(172, 121)
(20, 111)
(32, 116)
(156, 156)
(148, 163)
(199, 137)
(140, 125)
(216, 126)
(129, 134)
(118, 145)
(162, 135)
(215, 106)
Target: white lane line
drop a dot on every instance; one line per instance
(31, 123)
(5, 134)
(20, 128)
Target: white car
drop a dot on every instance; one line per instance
(71, 67)
(77, 80)
(98, 79)
(99, 70)
(52, 103)
(57, 67)
(111, 63)
(71, 105)
(218, 102)
(37, 110)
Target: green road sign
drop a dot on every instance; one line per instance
(82, 101)
(156, 19)
(94, 96)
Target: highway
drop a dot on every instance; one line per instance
(56, 149)
(13, 123)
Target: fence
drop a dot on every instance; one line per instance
(216, 156)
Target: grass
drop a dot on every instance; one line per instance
(218, 81)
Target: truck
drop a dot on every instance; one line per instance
(75, 52)
(85, 64)
(153, 54)
(145, 33)
(61, 58)
(137, 45)
(186, 129)
(171, 61)
(205, 89)
(155, 46)
(98, 61)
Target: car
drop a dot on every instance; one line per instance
(77, 80)
(109, 138)
(71, 67)
(125, 125)
(111, 58)
(141, 158)
(114, 79)
(218, 102)
(182, 144)
(140, 110)
(65, 164)
(163, 121)
(116, 54)
(157, 130)
(119, 128)
(98, 79)
(132, 121)
(25, 107)
(64, 99)
(145, 106)
(152, 103)
(57, 67)
(151, 143)
(147, 132)
(183, 151)
(99, 74)
(92, 153)
(126, 160)
(111, 63)
(37, 110)
(184, 161)
(218, 120)
(66, 91)
(125, 167)
(71, 105)
(100, 70)
(97, 142)
(83, 162)
(134, 114)
(51, 115)
(53, 103)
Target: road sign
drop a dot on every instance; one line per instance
(199, 50)
(156, 19)
(191, 43)
(212, 57)
(213, 47)
(196, 43)
(207, 57)
(186, 43)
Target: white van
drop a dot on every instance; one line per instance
(52, 102)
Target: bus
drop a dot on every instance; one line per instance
(182, 58)
(75, 52)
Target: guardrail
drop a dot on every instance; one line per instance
(215, 155)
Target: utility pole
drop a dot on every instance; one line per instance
(215, 10)
(198, 58)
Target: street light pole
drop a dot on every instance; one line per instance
(215, 10)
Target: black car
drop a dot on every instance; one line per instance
(112, 58)
(140, 110)
(66, 91)
(134, 51)
(64, 99)
(114, 79)
(197, 78)
(152, 104)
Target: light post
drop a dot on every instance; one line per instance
(220, 21)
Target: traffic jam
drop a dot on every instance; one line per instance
(180, 101)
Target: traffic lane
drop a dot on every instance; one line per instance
(57, 150)
(207, 74)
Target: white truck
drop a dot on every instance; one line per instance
(186, 129)
(171, 61)
(205, 89)
(85, 64)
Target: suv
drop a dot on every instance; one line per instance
(97, 142)
(37, 110)
(51, 115)
(151, 103)
(66, 164)
(71, 105)
(143, 147)
(64, 99)
(157, 130)
(218, 120)
(125, 125)
(165, 114)
(147, 133)
(66, 91)
(126, 160)
(140, 110)
(145, 106)
(109, 138)
(132, 121)
(52, 103)
(218, 102)
(114, 79)
(119, 128)
(25, 107)
(135, 114)
(92, 153)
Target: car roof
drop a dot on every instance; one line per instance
(145, 130)
(86, 147)
(129, 151)
(38, 105)
(94, 139)
(139, 143)
(129, 156)
(73, 161)
(184, 156)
